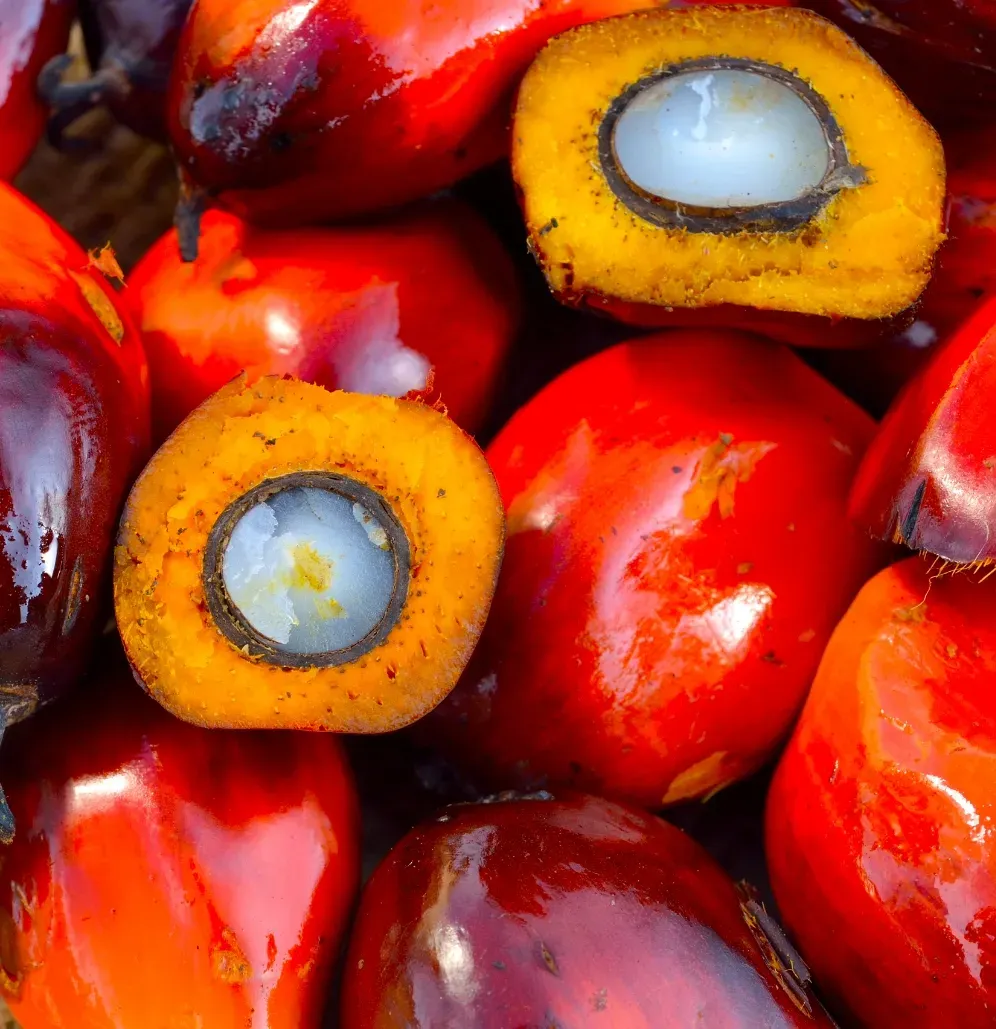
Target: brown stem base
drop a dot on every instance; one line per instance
(69, 101)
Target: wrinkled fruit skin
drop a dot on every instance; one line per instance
(304, 112)
(880, 818)
(942, 53)
(164, 874)
(965, 272)
(677, 556)
(575, 912)
(928, 478)
(372, 309)
(133, 43)
(31, 33)
(74, 413)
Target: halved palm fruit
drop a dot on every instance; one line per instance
(295, 558)
(737, 164)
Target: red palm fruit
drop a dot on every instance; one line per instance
(677, 556)
(571, 911)
(880, 817)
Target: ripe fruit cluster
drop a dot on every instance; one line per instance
(342, 545)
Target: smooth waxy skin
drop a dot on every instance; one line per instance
(676, 557)
(880, 818)
(166, 875)
(928, 477)
(367, 309)
(73, 431)
(315, 110)
(574, 912)
(31, 32)
(942, 52)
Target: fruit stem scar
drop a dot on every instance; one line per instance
(725, 87)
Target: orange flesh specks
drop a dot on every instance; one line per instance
(867, 254)
(435, 481)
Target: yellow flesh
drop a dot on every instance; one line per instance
(435, 479)
(868, 255)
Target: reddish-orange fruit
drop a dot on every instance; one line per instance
(677, 556)
(880, 817)
(164, 875)
(567, 911)
(929, 478)
(299, 112)
(31, 33)
(425, 302)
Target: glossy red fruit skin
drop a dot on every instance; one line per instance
(928, 477)
(307, 112)
(74, 425)
(787, 327)
(676, 557)
(942, 53)
(164, 874)
(364, 308)
(558, 912)
(965, 272)
(880, 817)
(31, 33)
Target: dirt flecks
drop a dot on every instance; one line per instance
(721, 468)
(228, 961)
(782, 959)
(916, 614)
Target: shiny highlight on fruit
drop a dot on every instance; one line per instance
(677, 557)
(879, 833)
(294, 558)
(566, 910)
(427, 301)
(290, 112)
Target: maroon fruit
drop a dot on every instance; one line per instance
(570, 912)
(74, 413)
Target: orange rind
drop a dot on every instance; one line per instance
(295, 558)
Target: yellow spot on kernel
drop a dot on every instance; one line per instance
(311, 570)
